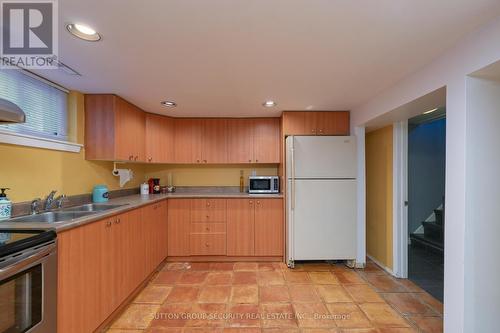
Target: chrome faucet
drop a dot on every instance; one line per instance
(35, 206)
(60, 200)
(49, 200)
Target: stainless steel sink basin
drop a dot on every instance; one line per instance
(50, 217)
(91, 208)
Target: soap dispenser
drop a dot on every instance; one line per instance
(5, 205)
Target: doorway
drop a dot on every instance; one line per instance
(426, 204)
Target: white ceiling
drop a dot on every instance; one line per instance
(225, 57)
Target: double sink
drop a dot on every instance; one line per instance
(65, 214)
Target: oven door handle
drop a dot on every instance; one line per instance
(22, 262)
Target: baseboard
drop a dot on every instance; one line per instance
(387, 269)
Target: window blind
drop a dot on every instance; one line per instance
(45, 106)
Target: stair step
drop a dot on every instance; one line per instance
(433, 230)
(439, 213)
(421, 239)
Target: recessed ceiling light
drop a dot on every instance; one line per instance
(168, 104)
(83, 32)
(269, 104)
(430, 111)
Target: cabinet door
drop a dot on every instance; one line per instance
(294, 123)
(109, 267)
(269, 227)
(240, 227)
(130, 131)
(214, 141)
(267, 140)
(187, 140)
(240, 141)
(78, 293)
(159, 139)
(311, 123)
(178, 227)
(333, 123)
(162, 230)
(208, 210)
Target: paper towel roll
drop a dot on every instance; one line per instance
(125, 175)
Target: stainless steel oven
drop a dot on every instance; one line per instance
(28, 281)
(263, 184)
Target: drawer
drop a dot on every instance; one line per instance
(208, 210)
(206, 228)
(207, 244)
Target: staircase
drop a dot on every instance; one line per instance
(433, 235)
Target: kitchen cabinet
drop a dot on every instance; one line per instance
(187, 140)
(208, 210)
(101, 263)
(159, 139)
(269, 227)
(179, 219)
(114, 129)
(255, 140)
(214, 141)
(316, 123)
(240, 145)
(240, 227)
(266, 140)
(208, 227)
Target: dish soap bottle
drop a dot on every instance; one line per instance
(242, 182)
(5, 205)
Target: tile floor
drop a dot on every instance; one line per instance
(269, 297)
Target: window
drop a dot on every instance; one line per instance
(44, 104)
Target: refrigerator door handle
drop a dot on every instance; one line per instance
(292, 158)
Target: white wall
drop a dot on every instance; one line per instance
(475, 51)
(482, 227)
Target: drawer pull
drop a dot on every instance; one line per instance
(208, 229)
(208, 216)
(207, 245)
(251, 202)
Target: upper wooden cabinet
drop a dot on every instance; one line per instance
(114, 129)
(253, 140)
(316, 123)
(159, 139)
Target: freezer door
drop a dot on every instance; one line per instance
(322, 220)
(321, 156)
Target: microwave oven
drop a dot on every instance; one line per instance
(263, 184)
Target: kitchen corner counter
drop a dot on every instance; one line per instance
(131, 202)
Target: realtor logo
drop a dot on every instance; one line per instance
(29, 34)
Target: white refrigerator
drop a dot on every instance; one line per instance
(321, 198)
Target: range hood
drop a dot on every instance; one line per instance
(10, 113)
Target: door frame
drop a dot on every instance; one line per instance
(400, 199)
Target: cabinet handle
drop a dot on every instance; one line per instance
(117, 221)
(251, 202)
(207, 216)
(258, 202)
(314, 131)
(131, 157)
(207, 229)
(197, 161)
(207, 245)
(108, 224)
(150, 159)
(204, 161)
(256, 161)
(208, 204)
(136, 157)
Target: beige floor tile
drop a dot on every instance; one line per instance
(203, 330)
(245, 277)
(207, 315)
(323, 277)
(154, 294)
(303, 293)
(314, 267)
(183, 294)
(119, 330)
(246, 266)
(381, 314)
(193, 277)
(407, 304)
(244, 315)
(362, 293)
(137, 316)
(167, 277)
(170, 315)
(245, 294)
(221, 266)
(296, 277)
(333, 293)
(274, 277)
(279, 315)
(199, 266)
(313, 315)
(397, 330)
(428, 324)
(348, 315)
(242, 330)
(384, 283)
(273, 294)
(349, 277)
(214, 294)
(163, 330)
(219, 278)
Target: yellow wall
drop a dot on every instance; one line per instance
(207, 175)
(379, 195)
(33, 172)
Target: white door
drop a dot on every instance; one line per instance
(322, 156)
(322, 223)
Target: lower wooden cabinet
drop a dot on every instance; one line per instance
(179, 219)
(102, 263)
(255, 227)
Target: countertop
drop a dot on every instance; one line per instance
(131, 202)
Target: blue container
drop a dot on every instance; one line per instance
(100, 193)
